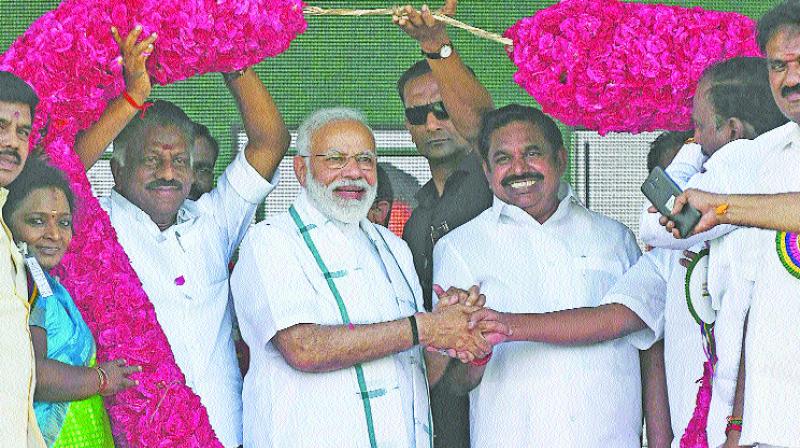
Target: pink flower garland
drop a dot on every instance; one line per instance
(68, 56)
(609, 66)
(695, 435)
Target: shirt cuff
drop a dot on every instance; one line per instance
(645, 338)
(247, 182)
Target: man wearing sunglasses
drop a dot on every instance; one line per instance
(458, 190)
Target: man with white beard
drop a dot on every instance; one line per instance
(329, 304)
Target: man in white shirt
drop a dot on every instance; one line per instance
(761, 265)
(329, 304)
(539, 250)
(180, 249)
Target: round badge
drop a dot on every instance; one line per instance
(789, 252)
(697, 297)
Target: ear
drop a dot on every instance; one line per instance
(487, 172)
(116, 171)
(561, 159)
(299, 163)
(740, 129)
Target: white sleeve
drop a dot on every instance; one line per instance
(270, 290)
(233, 202)
(723, 175)
(687, 162)
(450, 269)
(643, 289)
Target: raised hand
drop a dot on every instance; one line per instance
(133, 58)
(422, 26)
(708, 204)
(117, 373)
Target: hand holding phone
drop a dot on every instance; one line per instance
(661, 191)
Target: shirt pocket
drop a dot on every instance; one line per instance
(598, 275)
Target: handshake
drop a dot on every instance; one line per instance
(460, 326)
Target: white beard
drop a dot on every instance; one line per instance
(349, 211)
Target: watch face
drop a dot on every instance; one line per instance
(445, 51)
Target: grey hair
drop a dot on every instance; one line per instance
(320, 118)
(161, 113)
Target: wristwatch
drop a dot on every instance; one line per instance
(444, 52)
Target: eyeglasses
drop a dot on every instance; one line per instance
(366, 161)
(419, 114)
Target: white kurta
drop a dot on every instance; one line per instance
(654, 289)
(184, 271)
(278, 284)
(534, 394)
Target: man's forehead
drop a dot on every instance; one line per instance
(15, 111)
(422, 90)
(784, 44)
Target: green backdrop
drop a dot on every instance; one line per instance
(350, 61)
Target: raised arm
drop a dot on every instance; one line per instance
(91, 142)
(323, 348)
(267, 136)
(464, 97)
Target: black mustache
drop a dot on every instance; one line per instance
(164, 183)
(12, 153)
(786, 91)
(522, 177)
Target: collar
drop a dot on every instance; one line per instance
(503, 211)
(471, 164)
(187, 212)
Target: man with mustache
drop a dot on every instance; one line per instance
(538, 250)
(204, 156)
(330, 305)
(180, 248)
(17, 370)
(753, 272)
(457, 191)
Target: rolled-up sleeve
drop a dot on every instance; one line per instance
(643, 289)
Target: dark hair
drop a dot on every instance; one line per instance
(739, 87)
(14, 90)
(200, 130)
(419, 68)
(161, 113)
(666, 142)
(37, 174)
(496, 119)
(385, 190)
(785, 14)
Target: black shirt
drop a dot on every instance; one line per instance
(466, 195)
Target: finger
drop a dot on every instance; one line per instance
(451, 353)
(493, 326)
(120, 362)
(115, 35)
(684, 262)
(130, 370)
(438, 290)
(127, 384)
(427, 17)
(413, 16)
(481, 302)
(133, 36)
(679, 203)
(663, 220)
(652, 209)
(449, 8)
(689, 254)
(145, 45)
(472, 295)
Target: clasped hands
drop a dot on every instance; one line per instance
(462, 327)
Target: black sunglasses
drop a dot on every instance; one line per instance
(419, 114)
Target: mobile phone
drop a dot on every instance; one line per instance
(661, 190)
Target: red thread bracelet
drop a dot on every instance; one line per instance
(142, 107)
(733, 427)
(481, 361)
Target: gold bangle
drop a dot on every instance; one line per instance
(103, 377)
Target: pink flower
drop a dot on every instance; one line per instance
(608, 65)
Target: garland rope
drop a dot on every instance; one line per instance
(494, 37)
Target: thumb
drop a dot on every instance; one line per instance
(438, 290)
(680, 201)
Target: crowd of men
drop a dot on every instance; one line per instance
(508, 315)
